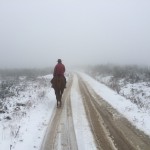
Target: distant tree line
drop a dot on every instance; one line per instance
(25, 72)
(130, 73)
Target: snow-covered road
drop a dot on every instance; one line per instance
(92, 117)
(69, 128)
(87, 122)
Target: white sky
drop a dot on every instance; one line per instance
(36, 33)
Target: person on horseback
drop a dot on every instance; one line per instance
(59, 70)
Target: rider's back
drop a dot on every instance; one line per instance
(59, 70)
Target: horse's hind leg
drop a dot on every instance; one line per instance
(59, 100)
(57, 97)
(59, 103)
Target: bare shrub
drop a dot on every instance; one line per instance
(29, 104)
(41, 94)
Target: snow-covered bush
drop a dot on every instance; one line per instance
(132, 82)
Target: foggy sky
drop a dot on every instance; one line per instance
(36, 33)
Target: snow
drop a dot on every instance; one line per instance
(26, 130)
(138, 92)
(84, 136)
(27, 127)
(138, 117)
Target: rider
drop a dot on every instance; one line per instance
(59, 70)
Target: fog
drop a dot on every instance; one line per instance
(36, 33)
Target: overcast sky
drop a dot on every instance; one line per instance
(35, 33)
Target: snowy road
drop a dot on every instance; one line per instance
(60, 133)
(103, 128)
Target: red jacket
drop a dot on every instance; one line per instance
(59, 70)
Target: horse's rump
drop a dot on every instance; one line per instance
(58, 82)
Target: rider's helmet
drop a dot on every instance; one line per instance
(59, 61)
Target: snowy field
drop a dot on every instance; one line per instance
(137, 93)
(24, 122)
(26, 118)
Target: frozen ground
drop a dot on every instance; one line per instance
(137, 93)
(23, 126)
(136, 115)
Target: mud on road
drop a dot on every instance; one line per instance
(60, 133)
(111, 131)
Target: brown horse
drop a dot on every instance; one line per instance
(58, 83)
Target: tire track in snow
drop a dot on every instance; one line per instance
(111, 132)
(60, 133)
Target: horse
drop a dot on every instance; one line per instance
(58, 83)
